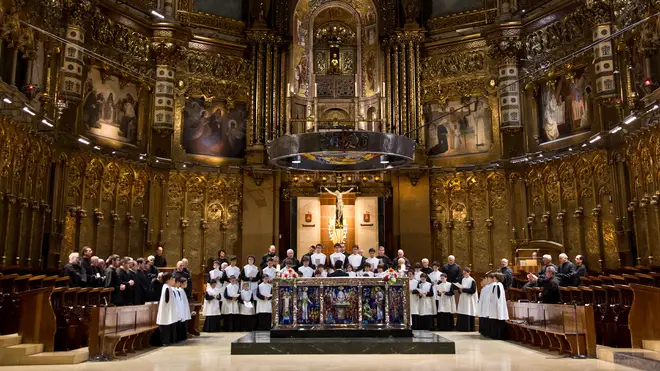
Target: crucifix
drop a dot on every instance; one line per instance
(340, 202)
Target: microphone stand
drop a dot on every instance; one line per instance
(102, 357)
(577, 336)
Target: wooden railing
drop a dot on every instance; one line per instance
(642, 320)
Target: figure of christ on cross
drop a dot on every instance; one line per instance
(340, 202)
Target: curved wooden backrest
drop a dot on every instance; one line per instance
(37, 321)
(642, 319)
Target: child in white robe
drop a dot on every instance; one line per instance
(446, 304)
(185, 306)
(250, 274)
(366, 270)
(318, 257)
(305, 270)
(230, 309)
(211, 309)
(426, 308)
(467, 303)
(498, 311)
(350, 271)
(264, 304)
(483, 304)
(380, 271)
(414, 300)
(181, 332)
(167, 311)
(246, 309)
(270, 269)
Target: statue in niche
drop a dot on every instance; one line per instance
(334, 64)
(340, 203)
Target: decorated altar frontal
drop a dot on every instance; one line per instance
(326, 305)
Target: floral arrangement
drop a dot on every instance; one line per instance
(391, 275)
(289, 275)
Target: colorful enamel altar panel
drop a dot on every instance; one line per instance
(340, 303)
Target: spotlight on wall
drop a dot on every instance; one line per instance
(7, 100)
(584, 145)
(630, 119)
(47, 123)
(97, 148)
(83, 140)
(155, 13)
(595, 139)
(652, 108)
(296, 160)
(384, 159)
(29, 110)
(615, 130)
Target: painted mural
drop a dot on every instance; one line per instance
(110, 107)
(214, 129)
(224, 8)
(446, 7)
(458, 128)
(563, 108)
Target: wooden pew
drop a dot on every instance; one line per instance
(117, 331)
(9, 304)
(642, 318)
(37, 321)
(557, 327)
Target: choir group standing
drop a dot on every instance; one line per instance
(433, 302)
(173, 310)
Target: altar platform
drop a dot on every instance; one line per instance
(422, 342)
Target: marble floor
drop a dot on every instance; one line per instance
(212, 352)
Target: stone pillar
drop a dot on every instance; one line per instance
(604, 60)
(72, 65)
(505, 52)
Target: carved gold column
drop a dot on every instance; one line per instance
(396, 116)
(403, 91)
(251, 133)
(268, 132)
(388, 88)
(259, 94)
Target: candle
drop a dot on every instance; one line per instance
(356, 92)
(288, 89)
(316, 91)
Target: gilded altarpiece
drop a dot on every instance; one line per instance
(470, 218)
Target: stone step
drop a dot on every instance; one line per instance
(71, 357)
(648, 361)
(14, 352)
(9, 340)
(651, 345)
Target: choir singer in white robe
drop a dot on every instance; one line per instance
(467, 303)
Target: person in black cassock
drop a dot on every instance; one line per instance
(338, 270)
(550, 294)
(157, 286)
(311, 251)
(86, 264)
(112, 280)
(142, 283)
(384, 260)
(537, 281)
(452, 270)
(507, 273)
(222, 257)
(294, 260)
(159, 259)
(580, 271)
(126, 278)
(264, 259)
(425, 267)
(77, 276)
(565, 270)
